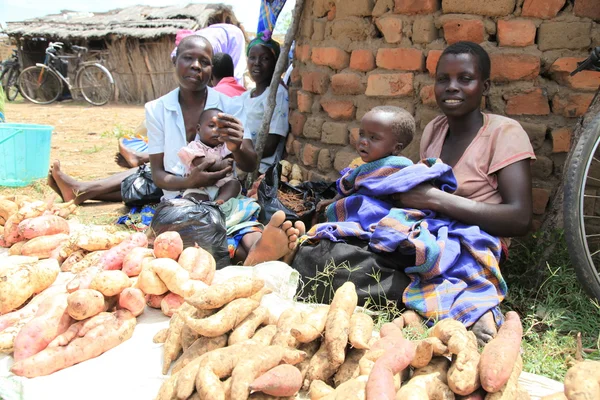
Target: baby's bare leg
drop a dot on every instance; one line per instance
(196, 196)
(229, 190)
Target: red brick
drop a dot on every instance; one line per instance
(390, 85)
(571, 104)
(428, 96)
(303, 53)
(516, 33)
(296, 146)
(494, 8)
(561, 140)
(404, 59)
(304, 100)
(315, 81)
(412, 7)
(313, 128)
(347, 83)
(362, 60)
(585, 80)
(297, 121)
(354, 135)
(533, 102)
(540, 199)
(587, 8)
(296, 78)
(432, 60)
(470, 30)
(424, 30)
(324, 160)
(343, 158)
(554, 35)
(514, 67)
(338, 109)
(391, 28)
(310, 153)
(289, 144)
(544, 9)
(331, 57)
(335, 133)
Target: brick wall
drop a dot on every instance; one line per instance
(352, 55)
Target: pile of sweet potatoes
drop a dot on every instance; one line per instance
(226, 346)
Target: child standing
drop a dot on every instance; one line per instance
(207, 147)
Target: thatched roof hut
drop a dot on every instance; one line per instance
(134, 42)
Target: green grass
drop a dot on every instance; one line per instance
(552, 305)
(118, 132)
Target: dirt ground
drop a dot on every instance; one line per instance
(84, 141)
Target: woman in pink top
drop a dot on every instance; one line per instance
(490, 156)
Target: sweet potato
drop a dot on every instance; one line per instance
(85, 303)
(310, 349)
(50, 320)
(168, 245)
(154, 300)
(361, 330)
(113, 258)
(148, 281)
(390, 329)
(414, 321)
(15, 249)
(188, 336)
(11, 231)
(320, 367)
(7, 208)
(170, 303)
(251, 367)
(64, 250)
(354, 389)
(199, 263)
(337, 326)
(83, 279)
(78, 344)
(224, 320)
(96, 240)
(286, 321)
(160, 336)
(73, 259)
(173, 344)
(8, 335)
(426, 349)
(510, 389)
(19, 282)
(110, 283)
(349, 369)
(429, 382)
(258, 296)
(29, 208)
(245, 330)
(380, 384)
(216, 296)
(42, 246)
(463, 375)
(312, 326)
(132, 263)
(583, 381)
(499, 355)
(44, 225)
(175, 277)
(282, 380)
(265, 334)
(319, 389)
(89, 260)
(132, 299)
(201, 346)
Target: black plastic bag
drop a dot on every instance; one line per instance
(138, 189)
(312, 193)
(201, 223)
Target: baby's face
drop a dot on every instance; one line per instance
(205, 129)
(376, 138)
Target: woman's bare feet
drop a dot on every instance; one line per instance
(278, 240)
(52, 183)
(485, 328)
(68, 188)
(128, 158)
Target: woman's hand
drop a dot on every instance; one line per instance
(200, 177)
(421, 197)
(230, 130)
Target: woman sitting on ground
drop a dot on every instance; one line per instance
(490, 156)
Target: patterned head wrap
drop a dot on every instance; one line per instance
(264, 39)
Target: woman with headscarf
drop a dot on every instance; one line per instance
(262, 54)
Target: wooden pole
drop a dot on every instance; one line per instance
(279, 69)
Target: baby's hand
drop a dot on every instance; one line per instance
(323, 204)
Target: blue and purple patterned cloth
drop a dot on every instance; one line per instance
(456, 272)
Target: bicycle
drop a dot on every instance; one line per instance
(581, 214)
(43, 83)
(11, 68)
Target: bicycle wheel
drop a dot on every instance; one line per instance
(582, 209)
(96, 84)
(40, 85)
(12, 86)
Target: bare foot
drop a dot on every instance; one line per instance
(52, 183)
(68, 187)
(131, 158)
(485, 328)
(278, 239)
(120, 161)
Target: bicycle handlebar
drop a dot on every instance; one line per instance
(79, 48)
(591, 63)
